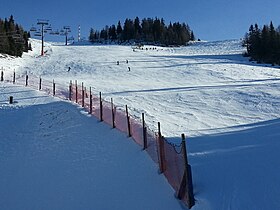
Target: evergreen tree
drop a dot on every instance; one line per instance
(119, 31)
(152, 31)
(263, 45)
(91, 35)
(113, 33)
(13, 39)
(128, 30)
(137, 29)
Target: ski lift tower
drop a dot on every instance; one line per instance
(66, 31)
(42, 23)
(79, 33)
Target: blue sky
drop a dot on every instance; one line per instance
(209, 19)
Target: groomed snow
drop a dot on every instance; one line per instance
(227, 106)
(54, 156)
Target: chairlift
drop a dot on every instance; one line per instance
(16, 36)
(33, 28)
(37, 33)
(70, 38)
(48, 28)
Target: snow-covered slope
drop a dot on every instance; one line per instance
(227, 106)
(54, 156)
(183, 88)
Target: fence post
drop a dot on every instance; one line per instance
(128, 121)
(11, 100)
(113, 113)
(76, 86)
(101, 107)
(186, 187)
(70, 90)
(161, 151)
(40, 83)
(83, 95)
(53, 88)
(144, 132)
(2, 76)
(26, 80)
(90, 101)
(14, 77)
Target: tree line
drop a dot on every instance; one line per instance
(13, 38)
(148, 31)
(263, 44)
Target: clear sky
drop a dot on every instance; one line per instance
(209, 19)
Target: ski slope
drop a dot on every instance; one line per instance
(183, 88)
(227, 106)
(54, 156)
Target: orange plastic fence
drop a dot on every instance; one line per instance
(173, 161)
(169, 157)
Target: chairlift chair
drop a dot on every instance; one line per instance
(16, 36)
(48, 28)
(33, 28)
(70, 38)
(37, 33)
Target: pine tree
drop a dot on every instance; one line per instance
(13, 38)
(137, 29)
(263, 45)
(119, 31)
(153, 31)
(91, 35)
(113, 33)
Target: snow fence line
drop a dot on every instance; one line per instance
(172, 159)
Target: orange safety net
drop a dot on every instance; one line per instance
(169, 157)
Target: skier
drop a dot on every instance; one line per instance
(128, 68)
(69, 68)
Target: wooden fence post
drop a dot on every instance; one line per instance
(128, 121)
(161, 150)
(14, 77)
(76, 86)
(40, 83)
(26, 80)
(83, 95)
(186, 187)
(144, 132)
(2, 76)
(53, 88)
(90, 101)
(113, 113)
(101, 107)
(70, 90)
(11, 100)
